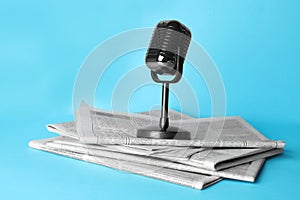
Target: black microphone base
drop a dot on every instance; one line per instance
(156, 133)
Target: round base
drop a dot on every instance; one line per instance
(170, 133)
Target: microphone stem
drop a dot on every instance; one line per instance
(164, 119)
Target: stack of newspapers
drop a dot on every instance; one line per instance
(220, 147)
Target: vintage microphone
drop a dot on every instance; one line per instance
(165, 58)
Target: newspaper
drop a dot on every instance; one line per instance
(193, 180)
(102, 127)
(177, 164)
(209, 159)
(242, 172)
(206, 158)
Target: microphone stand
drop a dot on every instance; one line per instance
(164, 119)
(164, 131)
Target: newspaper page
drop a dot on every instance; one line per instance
(103, 127)
(193, 180)
(106, 128)
(69, 128)
(241, 172)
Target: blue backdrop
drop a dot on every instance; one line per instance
(254, 43)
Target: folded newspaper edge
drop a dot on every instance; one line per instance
(244, 172)
(204, 165)
(213, 161)
(193, 180)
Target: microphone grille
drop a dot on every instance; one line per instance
(171, 36)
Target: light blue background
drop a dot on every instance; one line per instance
(254, 43)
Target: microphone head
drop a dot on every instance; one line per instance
(167, 49)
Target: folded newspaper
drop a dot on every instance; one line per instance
(108, 138)
(95, 126)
